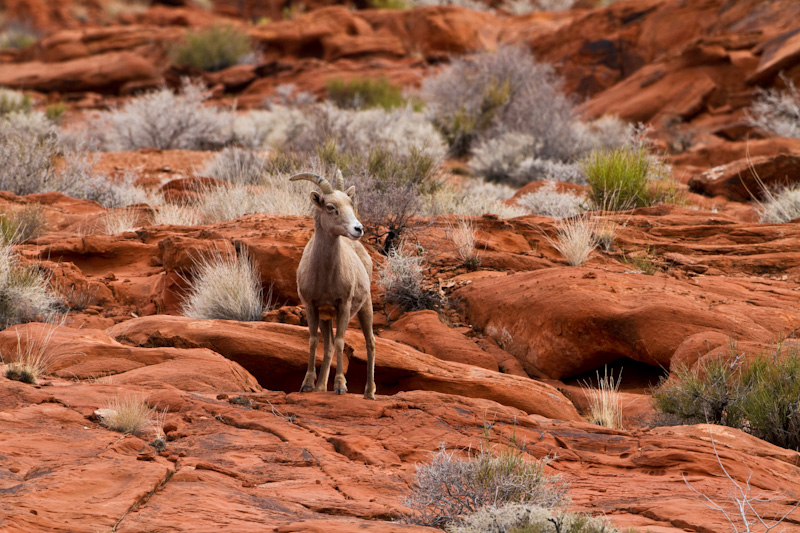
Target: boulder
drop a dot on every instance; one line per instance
(745, 179)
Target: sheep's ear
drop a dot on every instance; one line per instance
(316, 197)
(351, 191)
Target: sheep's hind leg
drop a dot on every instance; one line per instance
(313, 340)
(365, 319)
(326, 326)
(342, 318)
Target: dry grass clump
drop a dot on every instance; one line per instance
(175, 215)
(276, 196)
(26, 223)
(120, 221)
(777, 111)
(14, 102)
(527, 518)
(448, 489)
(462, 234)
(33, 356)
(605, 404)
(237, 166)
(548, 202)
(213, 49)
(575, 239)
(225, 286)
(165, 120)
(780, 206)
(77, 178)
(25, 294)
(402, 278)
(127, 414)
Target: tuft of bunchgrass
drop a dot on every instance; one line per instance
(449, 489)
(175, 215)
(23, 224)
(25, 293)
(127, 414)
(225, 286)
(364, 93)
(33, 356)
(780, 206)
(619, 178)
(213, 49)
(605, 404)
(120, 221)
(462, 234)
(402, 278)
(575, 239)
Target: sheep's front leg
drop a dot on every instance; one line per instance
(326, 327)
(365, 319)
(313, 329)
(342, 318)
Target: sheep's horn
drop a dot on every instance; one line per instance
(339, 180)
(323, 184)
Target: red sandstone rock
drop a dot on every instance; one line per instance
(745, 179)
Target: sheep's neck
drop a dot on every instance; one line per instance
(326, 249)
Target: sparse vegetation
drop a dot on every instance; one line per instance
(127, 414)
(403, 281)
(225, 286)
(120, 221)
(528, 518)
(25, 294)
(175, 215)
(760, 395)
(462, 234)
(165, 120)
(28, 149)
(26, 223)
(14, 102)
(33, 356)
(605, 405)
(364, 93)
(780, 206)
(449, 489)
(213, 49)
(547, 201)
(495, 93)
(237, 166)
(574, 239)
(777, 111)
(17, 36)
(473, 198)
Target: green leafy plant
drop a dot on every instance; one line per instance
(212, 49)
(364, 93)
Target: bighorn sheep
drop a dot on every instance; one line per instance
(333, 281)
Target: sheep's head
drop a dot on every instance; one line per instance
(334, 206)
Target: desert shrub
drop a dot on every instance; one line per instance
(17, 36)
(261, 129)
(364, 93)
(165, 120)
(511, 158)
(77, 178)
(28, 149)
(23, 224)
(528, 518)
(627, 177)
(224, 286)
(25, 294)
(448, 490)
(777, 111)
(55, 112)
(402, 278)
(492, 93)
(760, 396)
(574, 239)
(33, 355)
(14, 102)
(237, 166)
(473, 198)
(604, 233)
(213, 49)
(780, 206)
(127, 414)
(547, 201)
(605, 404)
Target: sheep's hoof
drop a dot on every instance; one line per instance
(369, 395)
(340, 389)
(306, 388)
(308, 385)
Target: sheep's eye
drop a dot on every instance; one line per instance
(331, 208)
